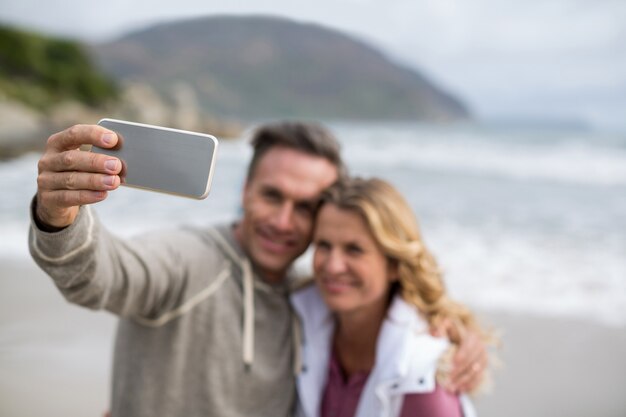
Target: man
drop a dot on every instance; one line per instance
(205, 324)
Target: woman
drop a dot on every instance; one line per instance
(366, 350)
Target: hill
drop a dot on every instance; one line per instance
(256, 67)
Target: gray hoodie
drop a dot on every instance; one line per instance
(200, 333)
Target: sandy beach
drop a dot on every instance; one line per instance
(55, 358)
(557, 367)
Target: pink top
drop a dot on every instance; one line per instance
(341, 397)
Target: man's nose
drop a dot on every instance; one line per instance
(283, 218)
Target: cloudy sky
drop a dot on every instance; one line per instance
(508, 59)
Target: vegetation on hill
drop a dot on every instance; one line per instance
(40, 71)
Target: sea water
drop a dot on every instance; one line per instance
(530, 221)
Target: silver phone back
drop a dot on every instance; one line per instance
(163, 159)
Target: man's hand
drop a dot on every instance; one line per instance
(469, 361)
(469, 364)
(69, 177)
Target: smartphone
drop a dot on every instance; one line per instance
(162, 159)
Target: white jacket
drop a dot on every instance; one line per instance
(406, 358)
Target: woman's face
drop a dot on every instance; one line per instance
(351, 271)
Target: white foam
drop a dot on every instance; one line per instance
(564, 162)
(532, 273)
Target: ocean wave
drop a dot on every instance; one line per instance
(579, 159)
(533, 272)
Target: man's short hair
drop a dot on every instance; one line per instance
(307, 137)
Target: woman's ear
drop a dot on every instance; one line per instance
(393, 270)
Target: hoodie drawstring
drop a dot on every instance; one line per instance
(296, 333)
(248, 314)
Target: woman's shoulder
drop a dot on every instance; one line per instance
(402, 313)
(407, 336)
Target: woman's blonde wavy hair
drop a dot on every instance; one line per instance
(394, 227)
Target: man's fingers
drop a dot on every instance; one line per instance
(470, 362)
(471, 378)
(76, 160)
(70, 198)
(471, 346)
(475, 364)
(78, 135)
(441, 330)
(74, 180)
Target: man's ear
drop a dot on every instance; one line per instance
(244, 192)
